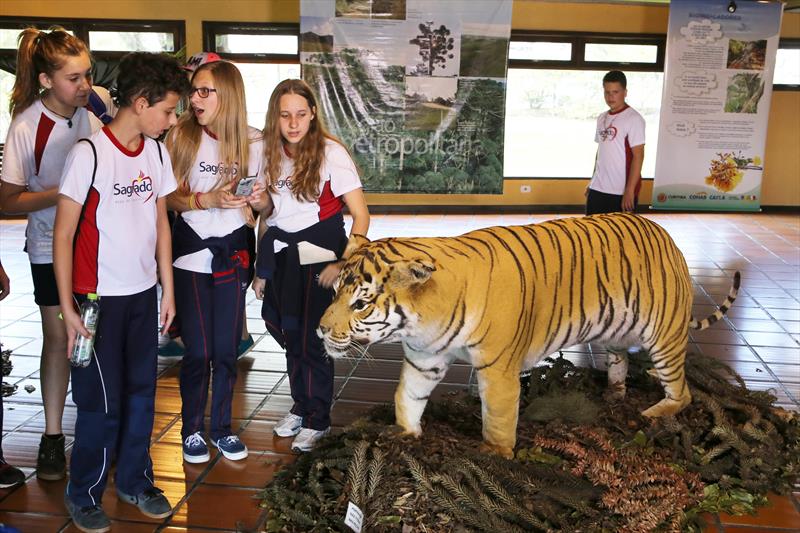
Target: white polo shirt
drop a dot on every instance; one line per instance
(37, 144)
(338, 176)
(115, 244)
(206, 173)
(616, 134)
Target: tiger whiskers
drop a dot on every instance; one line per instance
(361, 350)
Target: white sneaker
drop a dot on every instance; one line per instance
(289, 426)
(307, 439)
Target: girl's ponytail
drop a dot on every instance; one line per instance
(26, 85)
(38, 52)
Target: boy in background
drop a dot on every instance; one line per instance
(619, 135)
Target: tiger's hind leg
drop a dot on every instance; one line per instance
(617, 363)
(669, 368)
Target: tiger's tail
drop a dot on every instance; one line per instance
(719, 313)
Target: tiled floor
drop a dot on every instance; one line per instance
(760, 339)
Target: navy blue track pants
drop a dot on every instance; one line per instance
(308, 365)
(115, 396)
(211, 307)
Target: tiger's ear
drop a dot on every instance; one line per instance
(355, 242)
(412, 272)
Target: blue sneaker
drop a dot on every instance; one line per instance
(195, 449)
(244, 345)
(89, 519)
(231, 447)
(151, 502)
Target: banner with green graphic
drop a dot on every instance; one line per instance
(715, 105)
(414, 88)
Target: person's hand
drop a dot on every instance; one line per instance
(258, 199)
(627, 202)
(259, 284)
(167, 312)
(330, 273)
(5, 283)
(74, 327)
(586, 192)
(223, 199)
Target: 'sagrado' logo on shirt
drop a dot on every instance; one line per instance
(280, 184)
(218, 168)
(140, 188)
(608, 134)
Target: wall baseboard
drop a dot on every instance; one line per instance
(526, 209)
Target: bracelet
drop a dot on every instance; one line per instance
(192, 205)
(197, 201)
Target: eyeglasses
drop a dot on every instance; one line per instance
(203, 92)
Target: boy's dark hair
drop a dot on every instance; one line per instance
(149, 75)
(616, 76)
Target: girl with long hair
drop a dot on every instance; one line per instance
(52, 86)
(310, 177)
(215, 155)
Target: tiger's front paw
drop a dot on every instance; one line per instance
(410, 431)
(495, 449)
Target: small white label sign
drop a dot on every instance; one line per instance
(354, 517)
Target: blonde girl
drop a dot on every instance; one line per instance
(214, 154)
(310, 178)
(52, 86)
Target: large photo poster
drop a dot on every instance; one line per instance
(414, 88)
(715, 107)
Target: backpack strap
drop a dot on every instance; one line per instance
(158, 145)
(88, 192)
(94, 152)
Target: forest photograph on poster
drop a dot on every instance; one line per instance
(417, 97)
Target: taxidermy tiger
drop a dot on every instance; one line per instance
(503, 298)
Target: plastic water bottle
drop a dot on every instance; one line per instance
(82, 352)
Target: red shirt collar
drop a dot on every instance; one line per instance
(620, 111)
(121, 147)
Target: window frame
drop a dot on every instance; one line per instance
(211, 29)
(579, 41)
(81, 28)
(577, 62)
(787, 43)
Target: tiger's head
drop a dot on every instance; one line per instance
(375, 296)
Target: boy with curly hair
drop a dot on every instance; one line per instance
(111, 235)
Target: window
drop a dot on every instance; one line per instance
(265, 54)
(621, 53)
(551, 116)
(540, 51)
(131, 41)
(787, 66)
(555, 93)
(108, 40)
(259, 80)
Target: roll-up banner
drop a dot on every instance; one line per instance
(414, 88)
(715, 105)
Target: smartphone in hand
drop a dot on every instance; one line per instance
(245, 186)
